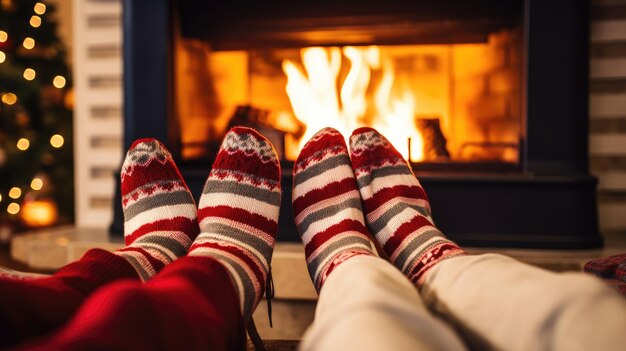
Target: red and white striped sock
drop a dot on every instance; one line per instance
(238, 212)
(160, 220)
(327, 205)
(397, 211)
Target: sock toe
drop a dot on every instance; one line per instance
(325, 140)
(369, 148)
(147, 161)
(245, 151)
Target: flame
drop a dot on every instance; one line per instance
(316, 102)
(395, 118)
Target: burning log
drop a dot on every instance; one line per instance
(434, 140)
(273, 126)
(246, 115)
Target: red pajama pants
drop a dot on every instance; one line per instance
(99, 302)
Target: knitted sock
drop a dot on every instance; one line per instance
(611, 267)
(396, 206)
(238, 212)
(327, 205)
(160, 220)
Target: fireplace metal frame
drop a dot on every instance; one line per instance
(551, 203)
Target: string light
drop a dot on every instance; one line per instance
(3, 36)
(40, 8)
(15, 192)
(3, 56)
(57, 141)
(13, 208)
(0, 197)
(23, 144)
(29, 74)
(28, 43)
(36, 184)
(9, 98)
(35, 21)
(59, 82)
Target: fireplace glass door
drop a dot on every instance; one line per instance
(446, 92)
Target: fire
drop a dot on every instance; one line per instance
(317, 103)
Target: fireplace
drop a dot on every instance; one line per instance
(487, 100)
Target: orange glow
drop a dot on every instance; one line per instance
(452, 102)
(39, 213)
(316, 102)
(397, 111)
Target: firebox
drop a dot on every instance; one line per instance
(487, 100)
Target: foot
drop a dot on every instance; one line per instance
(238, 212)
(397, 211)
(327, 205)
(160, 216)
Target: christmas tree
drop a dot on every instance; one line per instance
(36, 171)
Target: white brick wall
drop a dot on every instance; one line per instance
(607, 144)
(98, 107)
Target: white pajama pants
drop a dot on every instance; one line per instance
(486, 302)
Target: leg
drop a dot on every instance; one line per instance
(365, 303)
(160, 223)
(494, 301)
(499, 303)
(191, 305)
(32, 307)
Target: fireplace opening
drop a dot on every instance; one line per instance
(448, 101)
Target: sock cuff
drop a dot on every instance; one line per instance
(335, 262)
(417, 272)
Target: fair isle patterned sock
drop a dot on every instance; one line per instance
(238, 212)
(396, 207)
(160, 220)
(327, 205)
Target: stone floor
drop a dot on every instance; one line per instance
(295, 299)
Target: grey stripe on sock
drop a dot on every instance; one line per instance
(158, 200)
(236, 236)
(328, 212)
(162, 241)
(223, 186)
(246, 280)
(348, 242)
(367, 179)
(141, 270)
(378, 225)
(416, 243)
(317, 169)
